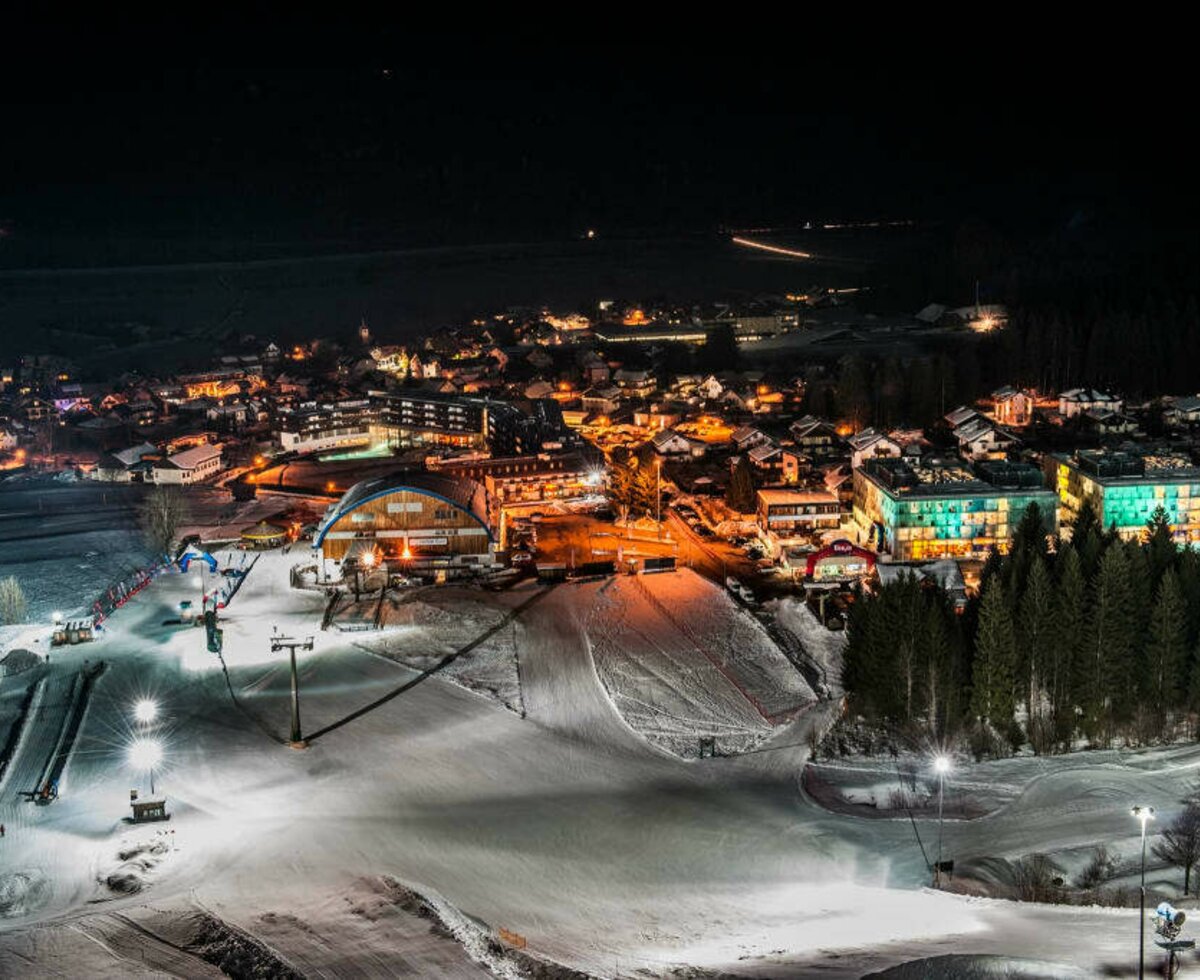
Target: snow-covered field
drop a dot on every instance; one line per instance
(566, 827)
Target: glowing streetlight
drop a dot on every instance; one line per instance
(145, 753)
(56, 617)
(1144, 814)
(145, 711)
(941, 765)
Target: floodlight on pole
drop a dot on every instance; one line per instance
(56, 617)
(146, 753)
(941, 765)
(145, 711)
(1144, 814)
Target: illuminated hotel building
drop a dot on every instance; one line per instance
(943, 510)
(1127, 488)
(404, 419)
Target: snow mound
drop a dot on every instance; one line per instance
(18, 661)
(137, 860)
(682, 662)
(22, 892)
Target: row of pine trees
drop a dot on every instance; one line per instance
(1096, 639)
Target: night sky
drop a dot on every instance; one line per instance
(456, 142)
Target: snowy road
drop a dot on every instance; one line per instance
(565, 827)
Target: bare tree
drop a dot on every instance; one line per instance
(163, 510)
(1180, 844)
(13, 606)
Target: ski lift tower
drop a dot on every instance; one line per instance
(292, 645)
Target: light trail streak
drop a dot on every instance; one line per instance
(774, 249)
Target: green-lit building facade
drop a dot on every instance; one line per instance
(1127, 488)
(943, 510)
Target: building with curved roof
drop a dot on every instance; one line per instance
(409, 517)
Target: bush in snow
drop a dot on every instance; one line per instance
(1100, 869)
(1038, 879)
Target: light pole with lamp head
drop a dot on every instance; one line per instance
(658, 494)
(146, 753)
(1144, 814)
(941, 765)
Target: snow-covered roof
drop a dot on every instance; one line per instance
(666, 437)
(189, 459)
(960, 415)
(944, 572)
(866, 439)
(127, 457)
(1088, 395)
(807, 425)
(978, 427)
(1185, 403)
(745, 432)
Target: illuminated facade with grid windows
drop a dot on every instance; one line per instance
(1127, 488)
(943, 510)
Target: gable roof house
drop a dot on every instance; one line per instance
(983, 439)
(869, 444)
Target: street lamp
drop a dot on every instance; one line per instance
(658, 493)
(145, 711)
(1143, 814)
(56, 617)
(145, 753)
(941, 765)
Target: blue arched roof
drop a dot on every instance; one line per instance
(466, 495)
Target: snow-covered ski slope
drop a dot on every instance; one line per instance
(606, 852)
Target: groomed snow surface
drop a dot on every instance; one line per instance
(578, 827)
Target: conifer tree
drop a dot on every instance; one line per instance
(1142, 590)
(1107, 675)
(995, 660)
(1037, 635)
(1160, 544)
(1067, 654)
(936, 656)
(1166, 652)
